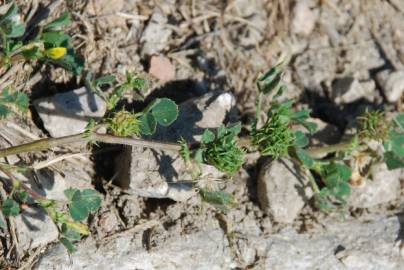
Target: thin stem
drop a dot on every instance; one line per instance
(319, 152)
(44, 144)
(312, 181)
(18, 183)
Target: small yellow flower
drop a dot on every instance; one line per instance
(56, 53)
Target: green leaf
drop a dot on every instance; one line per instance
(10, 207)
(92, 199)
(234, 128)
(399, 120)
(71, 62)
(217, 198)
(208, 136)
(15, 30)
(301, 139)
(56, 39)
(147, 124)
(342, 190)
(82, 203)
(105, 80)
(78, 210)
(70, 233)
(4, 111)
(392, 161)
(395, 143)
(165, 111)
(63, 20)
(69, 193)
(22, 196)
(305, 158)
(270, 80)
(68, 245)
(9, 14)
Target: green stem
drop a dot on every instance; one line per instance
(44, 144)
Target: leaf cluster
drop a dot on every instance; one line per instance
(221, 149)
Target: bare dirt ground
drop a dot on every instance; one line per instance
(186, 49)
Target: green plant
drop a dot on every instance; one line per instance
(221, 149)
(50, 44)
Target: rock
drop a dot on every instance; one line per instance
(156, 35)
(162, 68)
(282, 190)
(347, 90)
(35, 228)
(68, 113)
(382, 188)
(304, 17)
(392, 84)
(343, 245)
(153, 173)
(202, 250)
(52, 185)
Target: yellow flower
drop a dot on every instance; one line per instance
(56, 53)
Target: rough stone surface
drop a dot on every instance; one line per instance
(282, 190)
(68, 113)
(350, 244)
(156, 35)
(35, 228)
(348, 89)
(384, 186)
(344, 245)
(304, 17)
(392, 84)
(152, 173)
(204, 250)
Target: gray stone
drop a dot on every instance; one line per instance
(68, 113)
(304, 17)
(343, 245)
(392, 84)
(161, 174)
(348, 89)
(383, 187)
(35, 228)
(282, 190)
(203, 250)
(156, 35)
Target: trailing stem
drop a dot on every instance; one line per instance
(44, 144)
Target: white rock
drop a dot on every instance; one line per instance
(68, 113)
(382, 188)
(203, 250)
(151, 173)
(304, 18)
(156, 35)
(347, 90)
(392, 84)
(35, 228)
(282, 190)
